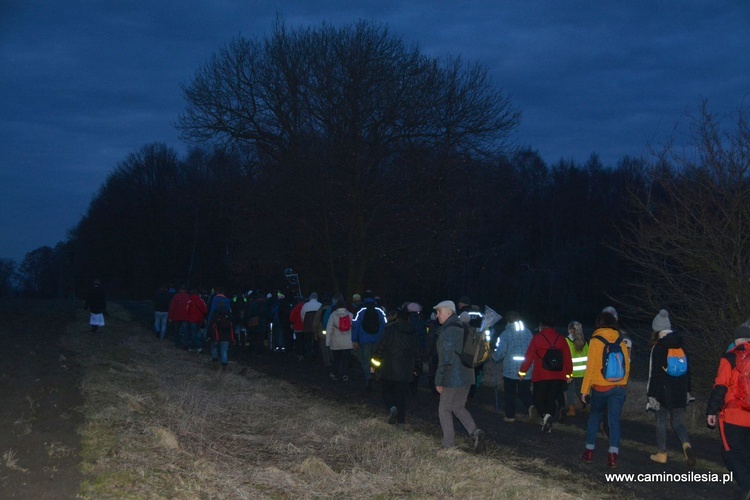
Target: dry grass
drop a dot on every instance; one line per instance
(161, 424)
(11, 461)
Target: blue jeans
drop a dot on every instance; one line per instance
(613, 401)
(160, 323)
(194, 336)
(224, 345)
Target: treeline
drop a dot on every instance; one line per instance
(514, 234)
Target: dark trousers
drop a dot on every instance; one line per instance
(513, 388)
(304, 343)
(736, 454)
(546, 393)
(340, 365)
(394, 394)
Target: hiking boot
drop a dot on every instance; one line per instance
(547, 424)
(571, 411)
(532, 414)
(510, 420)
(224, 368)
(393, 415)
(478, 440)
(611, 460)
(659, 457)
(587, 455)
(689, 455)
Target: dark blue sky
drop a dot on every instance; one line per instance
(85, 83)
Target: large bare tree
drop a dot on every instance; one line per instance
(363, 132)
(689, 246)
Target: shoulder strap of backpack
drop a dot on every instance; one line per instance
(617, 341)
(552, 344)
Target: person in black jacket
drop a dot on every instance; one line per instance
(96, 303)
(668, 386)
(397, 352)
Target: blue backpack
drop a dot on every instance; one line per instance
(676, 362)
(613, 359)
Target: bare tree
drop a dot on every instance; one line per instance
(332, 114)
(689, 244)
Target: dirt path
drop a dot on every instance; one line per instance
(39, 385)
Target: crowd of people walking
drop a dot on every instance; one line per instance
(552, 375)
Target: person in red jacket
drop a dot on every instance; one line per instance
(730, 399)
(295, 319)
(553, 369)
(196, 313)
(178, 315)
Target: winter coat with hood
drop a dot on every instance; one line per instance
(724, 399)
(511, 349)
(593, 376)
(178, 307)
(538, 347)
(397, 351)
(337, 339)
(196, 309)
(670, 392)
(450, 371)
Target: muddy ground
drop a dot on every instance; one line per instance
(41, 399)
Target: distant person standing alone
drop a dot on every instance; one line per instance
(96, 303)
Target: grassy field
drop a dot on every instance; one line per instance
(160, 423)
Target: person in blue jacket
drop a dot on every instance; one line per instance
(367, 330)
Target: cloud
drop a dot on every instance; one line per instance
(86, 83)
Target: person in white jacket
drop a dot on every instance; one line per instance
(339, 341)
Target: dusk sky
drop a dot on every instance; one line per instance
(84, 84)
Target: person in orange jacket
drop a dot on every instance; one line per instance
(730, 400)
(603, 391)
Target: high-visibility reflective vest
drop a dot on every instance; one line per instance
(579, 358)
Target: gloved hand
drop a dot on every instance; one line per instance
(652, 405)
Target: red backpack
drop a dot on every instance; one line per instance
(345, 323)
(742, 365)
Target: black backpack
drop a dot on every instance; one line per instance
(552, 361)
(370, 319)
